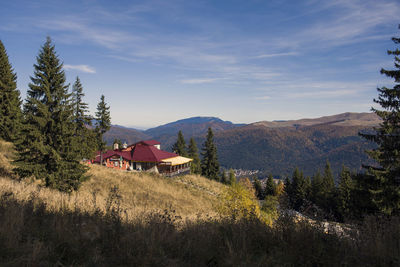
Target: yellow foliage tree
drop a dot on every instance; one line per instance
(280, 188)
(238, 202)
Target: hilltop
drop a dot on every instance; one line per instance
(343, 119)
(140, 193)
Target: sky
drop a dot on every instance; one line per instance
(244, 61)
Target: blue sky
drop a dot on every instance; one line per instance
(244, 61)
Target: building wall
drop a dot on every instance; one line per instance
(116, 164)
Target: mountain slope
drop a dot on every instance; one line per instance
(343, 119)
(195, 126)
(127, 135)
(278, 150)
(274, 147)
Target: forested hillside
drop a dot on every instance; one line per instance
(280, 150)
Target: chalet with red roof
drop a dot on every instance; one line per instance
(144, 156)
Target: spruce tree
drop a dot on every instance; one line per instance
(47, 146)
(344, 193)
(382, 182)
(258, 188)
(81, 109)
(270, 187)
(316, 189)
(328, 188)
(298, 190)
(209, 162)
(10, 102)
(86, 137)
(193, 153)
(103, 124)
(180, 146)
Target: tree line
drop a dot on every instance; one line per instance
(52, 130)
(208, 165)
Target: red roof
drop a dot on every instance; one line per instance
(147, 143)
(143, 151)
(150, 142)
(150, 153)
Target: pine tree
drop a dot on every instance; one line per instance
(193, 153)
(270, 187)
(298, 190)
(209, 163)
(81, 109)
(232, 177)
(382, 182)
(10, 102)
(344, 194)
(180, 146)
(258, 188)
(316, 189)
(103, 124)
(328, 188)
(47, 146)
(86, 137)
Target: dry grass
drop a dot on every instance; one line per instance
(188, 197)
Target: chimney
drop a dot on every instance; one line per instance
(115, 146)
(125, 145)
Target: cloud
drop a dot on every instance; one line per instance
(277, 55)
(82, 68)
(199, 81)
(322, 94)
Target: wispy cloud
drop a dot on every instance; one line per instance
(277, 55)
(322, 94)
(200, 81)
(82, 68)
(356, 21)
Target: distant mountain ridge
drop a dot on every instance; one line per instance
(343, 119)
(275, 147)
(190, 127)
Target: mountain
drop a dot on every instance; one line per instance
(128, 135)
(280, 147)
(275, 147)
(190, 127)
(344, 119)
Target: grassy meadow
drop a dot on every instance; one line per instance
(119, 218)
(190, 196)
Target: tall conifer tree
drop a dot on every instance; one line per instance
(180, 146)
(344, 194)
(316, 189)
(10, 102)
(193, 153)
(258, 188)
(382, 182)
(103, 124)
(86, 137)
(209, 163)
(328, 188)
(270, 187)
(47, 147)
(298, 192)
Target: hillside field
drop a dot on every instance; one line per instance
(119, 218)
